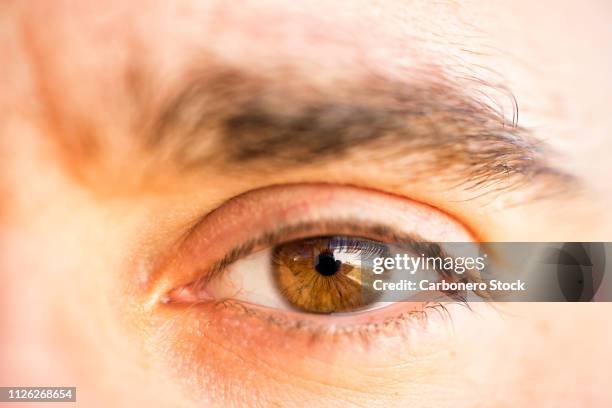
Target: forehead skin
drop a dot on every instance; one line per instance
(88, 68)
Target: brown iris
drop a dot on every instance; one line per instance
(313, 276)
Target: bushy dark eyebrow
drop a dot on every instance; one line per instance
(231, 118)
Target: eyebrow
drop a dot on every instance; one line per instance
(231, 118)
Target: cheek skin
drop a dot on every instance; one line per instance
(209, 346)
(538, 354)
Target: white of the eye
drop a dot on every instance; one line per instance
(250, 280)
(352, 258)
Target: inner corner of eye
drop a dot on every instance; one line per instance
(191, 293)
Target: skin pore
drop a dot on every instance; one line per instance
(124, 124)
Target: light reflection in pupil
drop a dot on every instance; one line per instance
(326, 264)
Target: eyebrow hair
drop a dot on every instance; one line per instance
(231, 118)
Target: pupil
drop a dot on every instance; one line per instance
(326, 265)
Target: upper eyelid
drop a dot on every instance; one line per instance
(293, 232)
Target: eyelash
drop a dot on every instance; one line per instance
(307, 230)
(353, 245)
(365, 332)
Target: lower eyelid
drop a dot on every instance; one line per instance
(402, 319)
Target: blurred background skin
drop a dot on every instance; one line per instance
(71, 235)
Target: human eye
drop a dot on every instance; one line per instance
(320, 274)
(290, 257)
